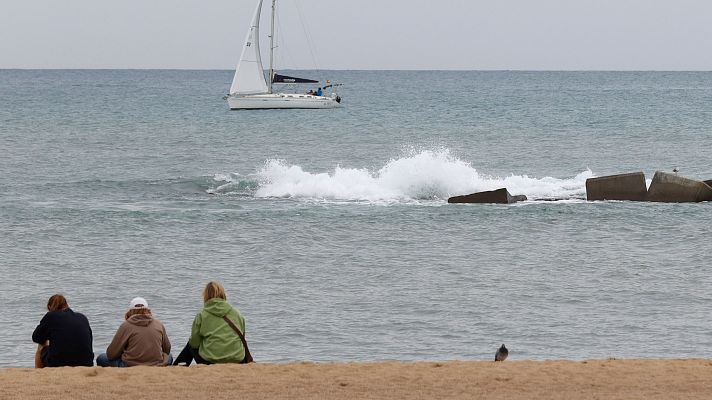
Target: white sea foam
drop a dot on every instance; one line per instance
(427, 175)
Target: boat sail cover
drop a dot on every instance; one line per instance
(290, 79)
(249, 75)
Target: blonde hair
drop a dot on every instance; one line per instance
(214, 290)
(57, 302)
(136, 311)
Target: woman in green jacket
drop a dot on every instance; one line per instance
(214, 337)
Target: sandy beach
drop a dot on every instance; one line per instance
(592, 379)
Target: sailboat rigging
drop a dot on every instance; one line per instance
(250, 89)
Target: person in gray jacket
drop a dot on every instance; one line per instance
(140, 340)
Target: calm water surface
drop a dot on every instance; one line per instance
(330, 228)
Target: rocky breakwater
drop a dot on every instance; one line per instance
(665, 187)
(499, 196)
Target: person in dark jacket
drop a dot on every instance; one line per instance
(64, 337)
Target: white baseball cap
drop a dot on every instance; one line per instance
(138, 302)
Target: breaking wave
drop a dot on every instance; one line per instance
(428, 175)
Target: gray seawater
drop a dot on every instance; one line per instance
(330, 228)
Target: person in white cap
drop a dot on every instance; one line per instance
(140, 340)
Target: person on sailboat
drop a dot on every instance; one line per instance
(319, 92)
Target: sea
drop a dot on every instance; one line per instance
(330, 229)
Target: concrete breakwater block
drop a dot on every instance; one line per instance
(617, 187)
(671, 188)
(499, 196)
(665, 187)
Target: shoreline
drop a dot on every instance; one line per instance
(552, 379)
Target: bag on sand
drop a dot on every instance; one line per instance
(248, 356)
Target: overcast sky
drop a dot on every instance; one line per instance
(362, 34)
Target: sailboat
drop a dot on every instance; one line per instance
(250, 89)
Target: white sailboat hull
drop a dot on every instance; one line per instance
(281, 100)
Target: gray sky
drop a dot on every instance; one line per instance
(362, 34)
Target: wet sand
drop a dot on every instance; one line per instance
(593, 379)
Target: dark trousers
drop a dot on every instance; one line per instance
(188, 354)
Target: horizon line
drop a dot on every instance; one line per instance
(361, 70)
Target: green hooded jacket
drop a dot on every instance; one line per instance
(215, 340)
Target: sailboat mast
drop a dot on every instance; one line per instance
(271, 47)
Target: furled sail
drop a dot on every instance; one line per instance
(290, 79)
(249, 75)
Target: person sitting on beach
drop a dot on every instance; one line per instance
(212, 338)
(64, 337)
(140, 340)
